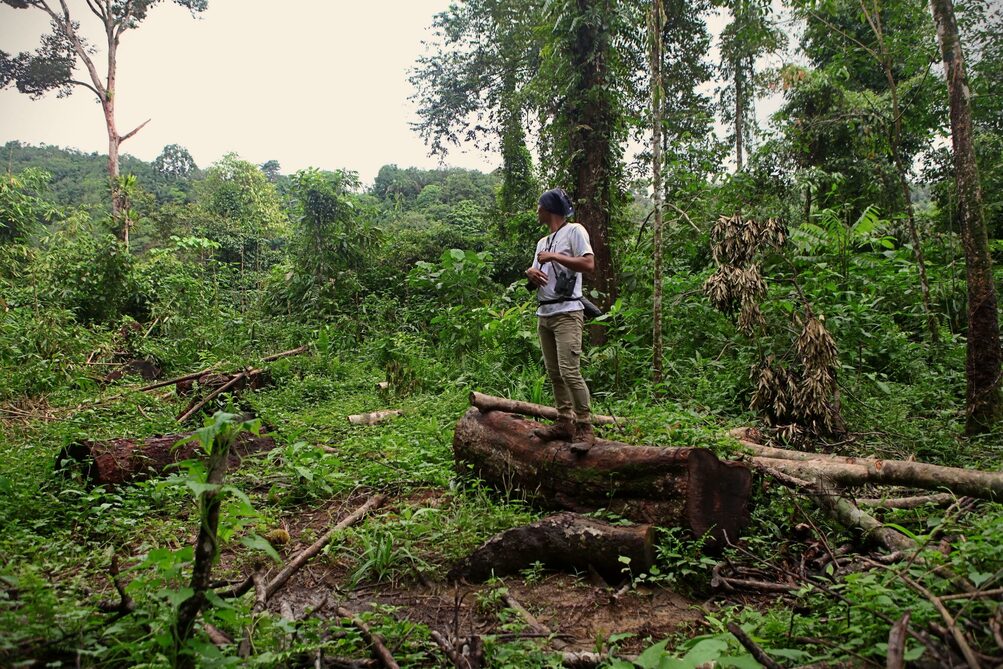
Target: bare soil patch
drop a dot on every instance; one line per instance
(580, 613)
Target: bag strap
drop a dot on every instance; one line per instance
(559, 300)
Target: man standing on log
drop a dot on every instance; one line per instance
(561, 258)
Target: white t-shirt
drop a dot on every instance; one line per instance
(571, 239)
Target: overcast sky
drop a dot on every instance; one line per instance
(310, 83)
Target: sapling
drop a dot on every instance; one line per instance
(216, 437)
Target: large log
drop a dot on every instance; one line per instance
(118, 461)
(671, 487)
(562, 541)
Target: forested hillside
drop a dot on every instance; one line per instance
(235, 421)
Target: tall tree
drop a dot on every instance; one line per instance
(52, 66)
(876, 56)
(983, 358)
(749, 36)
(586, 88)
(471, 87)
(174, 162)
(872, 12)
(688, 141)
(655, 21)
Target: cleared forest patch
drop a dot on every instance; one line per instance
(794, 572)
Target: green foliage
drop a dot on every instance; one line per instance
(461, 277)
(419, 283)
(239, 209)
(86, 270)
(332, 242)
(23, 209)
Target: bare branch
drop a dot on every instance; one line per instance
(96, 10)
(133, 131)
(66, 25)
(87, 86)
(684, 215)
(835, 28)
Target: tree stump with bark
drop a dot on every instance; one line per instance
(118, 461)
(668, 487)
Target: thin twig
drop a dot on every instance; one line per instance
(896, 643)
(378, 647)
(208, 398)
(294, 565)
(959, 637)
(752, 647)
(531, 620)
(459, 661)
(260, 602)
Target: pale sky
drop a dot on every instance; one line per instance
(317, 83)
(310, 83)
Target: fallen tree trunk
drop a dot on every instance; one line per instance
(117, 461)
(852, 471)
(254, 379)
(914, 502)
(973, 483)
(562, 541)
(672, 487)
(491, 403)
(202, 372)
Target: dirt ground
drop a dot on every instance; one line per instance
(580, 613)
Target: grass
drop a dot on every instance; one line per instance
(57, 537)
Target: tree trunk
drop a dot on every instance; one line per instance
(983, 356)
(655, 33)
(739, 118)
(884, 58)
(563, 541)
(672, 487)
(118, 461)
(591, 142)
(206, 549)
(113, 171)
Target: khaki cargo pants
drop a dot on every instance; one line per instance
(561, 340)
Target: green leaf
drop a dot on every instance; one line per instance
(978, 578)
(198, 487)
(621, 664)
(259, 543)
(651, 657)
(706, 650)
(175, 597)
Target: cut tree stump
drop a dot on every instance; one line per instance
(118, 461)
(563, 541)
(669, 487)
